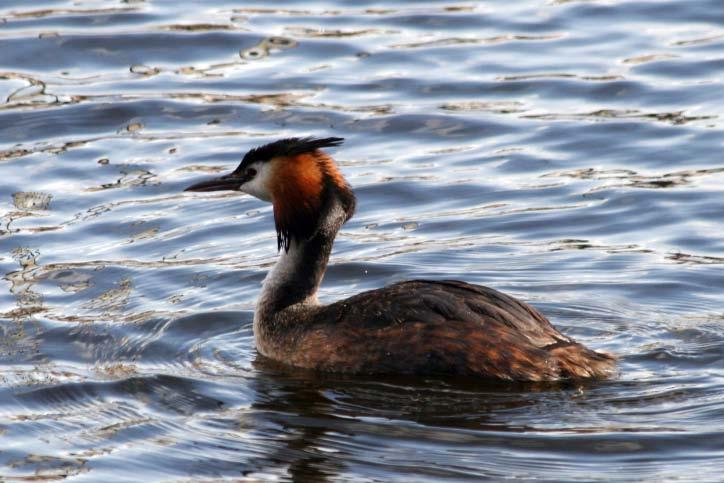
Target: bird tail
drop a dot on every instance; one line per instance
(578, 362)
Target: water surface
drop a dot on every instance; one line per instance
(566, 152)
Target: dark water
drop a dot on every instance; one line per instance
(567, 152)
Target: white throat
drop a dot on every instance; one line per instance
(297, 274)
(284, 270)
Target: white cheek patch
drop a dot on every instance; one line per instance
(257, 186)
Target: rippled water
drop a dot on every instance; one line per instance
(567, 152)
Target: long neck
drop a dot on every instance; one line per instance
(297, 274)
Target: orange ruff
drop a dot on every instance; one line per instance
(329, 167)
(296, 195)
(297, 184)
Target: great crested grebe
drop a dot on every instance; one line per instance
(419, 327)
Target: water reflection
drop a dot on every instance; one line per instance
(329, 421)
(29, 301)
(295, 409)
(267, 46)
(669, 117)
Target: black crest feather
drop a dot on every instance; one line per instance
(287, 147)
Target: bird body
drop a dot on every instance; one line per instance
(421, 327)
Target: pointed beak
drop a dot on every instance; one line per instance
(223, 183)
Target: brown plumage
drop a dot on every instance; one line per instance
(434, 327)
(418, 327)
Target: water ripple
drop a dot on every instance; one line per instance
(567, 152)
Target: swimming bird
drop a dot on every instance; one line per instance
(421, 327)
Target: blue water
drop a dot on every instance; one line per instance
(566, 152)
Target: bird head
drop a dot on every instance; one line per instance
(297, 177)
